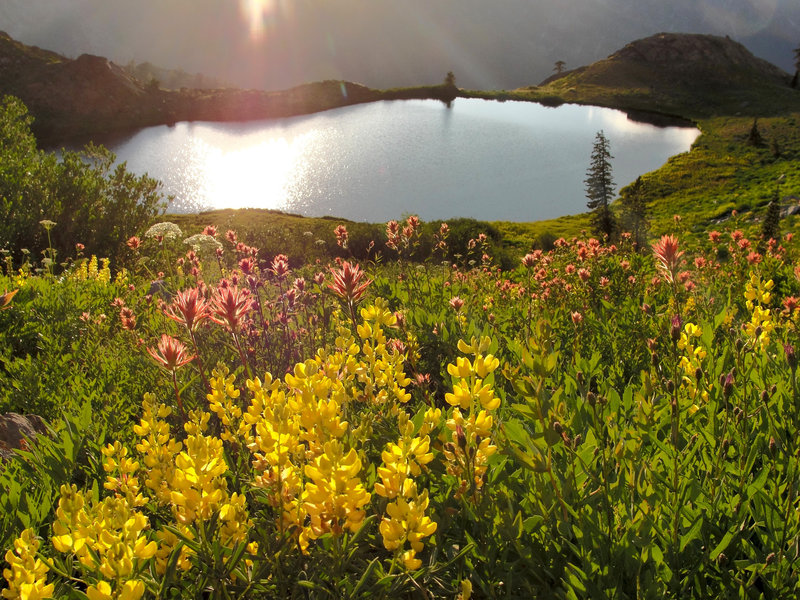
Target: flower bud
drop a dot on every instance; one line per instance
(460, 437)
(675, 328)
(591, 399)
(579, 377)
(727, 384)
(557, 427)
(791, 358)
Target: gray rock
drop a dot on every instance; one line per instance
(15, 428)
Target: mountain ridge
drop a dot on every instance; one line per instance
(680, 75)
(694, 75)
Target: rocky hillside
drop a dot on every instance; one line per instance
(74, 100)
(689, 74)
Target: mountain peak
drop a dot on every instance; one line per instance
(674, 51)
(673, 72)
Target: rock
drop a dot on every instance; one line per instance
(15, 428)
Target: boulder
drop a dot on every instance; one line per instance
(15, 428)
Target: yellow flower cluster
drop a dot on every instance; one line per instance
(90, 270)
(691, 361)
(222, 402)
(334, 496)
(406, 520)
(26, 575)
(757, 295)
(189, 477)
(21, 278)
(157, 448)
(298, 431)
(473, 395)
(107, 537)
(305, 456)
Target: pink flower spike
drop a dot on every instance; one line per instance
(189, 308)
(171, 353)
(668, 257)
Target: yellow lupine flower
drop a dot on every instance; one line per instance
(461, 395)
(462, 369)
(485, 365)
(379, 314)
(26, 575)
(335, 496)
(406, 521)
(168, 541)
(99, 591)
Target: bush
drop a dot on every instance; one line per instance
(90, 200)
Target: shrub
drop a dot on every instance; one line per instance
(89, 198)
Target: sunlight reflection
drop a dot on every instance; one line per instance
(256, 176)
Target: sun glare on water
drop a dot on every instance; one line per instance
(258, 175)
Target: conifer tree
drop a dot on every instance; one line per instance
(600, 187)
(771, 227)
(634, 212)
(754, 137)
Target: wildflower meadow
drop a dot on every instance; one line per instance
(598, 420)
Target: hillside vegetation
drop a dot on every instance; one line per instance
(248, 404)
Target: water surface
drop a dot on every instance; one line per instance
(515, 161)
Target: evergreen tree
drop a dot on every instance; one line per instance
(634, 212)
(771, 227)
(600, 187)
(754, 137)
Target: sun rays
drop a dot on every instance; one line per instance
(261, 14)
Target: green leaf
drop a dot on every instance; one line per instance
(365, 577)
(758, 484)
(723, 544)
(692, 533)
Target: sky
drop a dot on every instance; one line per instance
(488, 44)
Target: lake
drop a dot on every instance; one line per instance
(509, 161)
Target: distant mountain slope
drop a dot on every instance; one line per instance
(81, 98)
(90, 97)
(688, 74)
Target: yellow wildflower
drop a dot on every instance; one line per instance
(26, 575)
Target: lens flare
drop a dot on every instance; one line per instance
(258, 14)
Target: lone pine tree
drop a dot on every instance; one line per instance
(634, 212)
(600, 187)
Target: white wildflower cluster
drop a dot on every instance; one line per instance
(202, 243)
(165, 230)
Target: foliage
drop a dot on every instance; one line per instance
(91, 200)
(595, 421)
